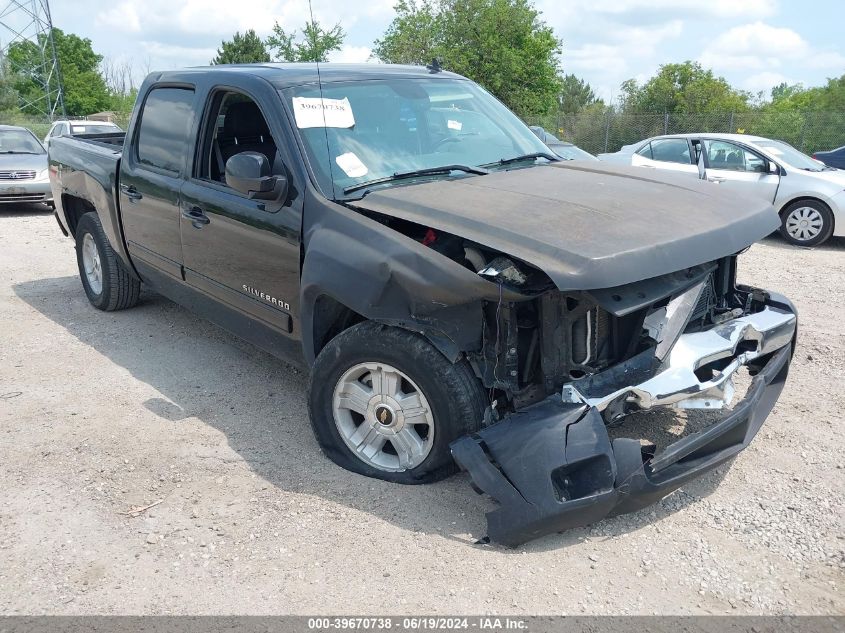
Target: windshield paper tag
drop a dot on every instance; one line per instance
(454, 125)
(351, 165)
(316, 112)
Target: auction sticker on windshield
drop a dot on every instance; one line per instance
(351, 165)
(315, 112)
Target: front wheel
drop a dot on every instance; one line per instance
(385, 403)
(806, 223)
(108, 285)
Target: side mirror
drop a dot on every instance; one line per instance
(249, 173)
(773, 167)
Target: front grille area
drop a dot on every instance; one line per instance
(17, 174)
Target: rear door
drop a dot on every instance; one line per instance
(244, 252)
(671, 154)
(739, 168)
(153, 168)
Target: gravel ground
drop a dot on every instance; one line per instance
(100, 413)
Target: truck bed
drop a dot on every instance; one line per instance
(112, 140)
(84, 175)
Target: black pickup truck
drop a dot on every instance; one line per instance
(461, 296)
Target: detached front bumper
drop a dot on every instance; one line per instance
(553, 466)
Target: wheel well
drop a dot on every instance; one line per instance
(803, 199)
(330, 319)
(75, 208)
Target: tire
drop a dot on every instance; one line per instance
(117, 289)
(806, 223)
(451, 397)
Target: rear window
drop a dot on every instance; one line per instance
(94, 129)
(163, 135)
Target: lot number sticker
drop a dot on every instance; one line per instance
(315, 112)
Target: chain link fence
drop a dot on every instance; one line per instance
(599, 132)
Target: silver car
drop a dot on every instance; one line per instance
(808, 195)
(72, 128)
(23, 167)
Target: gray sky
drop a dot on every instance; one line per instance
(755, 44)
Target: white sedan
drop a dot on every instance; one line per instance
(808, 195)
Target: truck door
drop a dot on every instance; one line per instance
(740, 169)
(151, 174)
(242, 251)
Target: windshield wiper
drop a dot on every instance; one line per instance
(532, 156)
(428, 171)
(11, 151)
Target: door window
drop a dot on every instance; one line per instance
(645, 151)
(163, 136)
(234, 124)
(671, 150)
(732, 157)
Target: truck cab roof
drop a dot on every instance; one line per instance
(285, 75)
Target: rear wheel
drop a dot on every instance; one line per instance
(108, 285)
(385, 403)
(806, 223)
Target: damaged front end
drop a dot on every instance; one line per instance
(567, 365)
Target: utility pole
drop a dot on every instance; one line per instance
(26, 29)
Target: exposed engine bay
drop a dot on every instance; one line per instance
(533, 346)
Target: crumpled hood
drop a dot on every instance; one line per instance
(587, 225)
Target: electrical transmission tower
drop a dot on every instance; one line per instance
(26, 31)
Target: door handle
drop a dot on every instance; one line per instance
(197, 217)
(131, 193)
(716, 178)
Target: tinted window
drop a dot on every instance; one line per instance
(238, 126)
(163, 136)
(671, 150)
(106, 128)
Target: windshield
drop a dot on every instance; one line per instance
(95, 129)
(19, 142)
(790, 155)
(379, 128)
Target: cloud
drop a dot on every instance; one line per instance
(123, 17)
(711, 8)
(760, 46)
(156, 51)
(351, 55)
(625, 50)
(765, 81)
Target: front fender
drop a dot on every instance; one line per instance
(386, 276)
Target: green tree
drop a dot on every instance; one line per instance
(501, 44)
(9, 97)
(84, 88)
(242, 49)
(683, 89)
(314, 45)
(575, 94)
